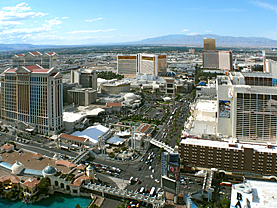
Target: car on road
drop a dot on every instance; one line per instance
(139, 169)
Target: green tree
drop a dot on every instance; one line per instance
(44, 184)
(225, 203)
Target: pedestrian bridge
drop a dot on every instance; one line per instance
(162, 145)
(155, 201)
(81, 156)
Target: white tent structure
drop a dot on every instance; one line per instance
(92, 133)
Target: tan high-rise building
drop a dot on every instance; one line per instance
(46, 60)
(127, 64)
(217, 59)
(142, 63)
(32, 97)
(209, 44)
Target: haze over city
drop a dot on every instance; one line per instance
(94, 22)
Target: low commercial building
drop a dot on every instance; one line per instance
(114, 87)
(10, 182)
(203, 120)
(74, 121)
(30, 187)
(254, 194)
(170, 88)
(7, 148)
(72, 141)
(82, 96)
(113, 107)
(241, 158)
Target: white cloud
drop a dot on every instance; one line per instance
(266, 6)
(65, 17)
(208, 31)
(18, 13)
(19, 7)
(9, 24)
(193, 33)
(94, 19)
(52, 22)
(185, 30)
(90, 31)
(25, 31)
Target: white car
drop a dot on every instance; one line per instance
(151, 176)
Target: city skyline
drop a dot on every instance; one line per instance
(74, 23)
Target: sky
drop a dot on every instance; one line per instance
(81, 22)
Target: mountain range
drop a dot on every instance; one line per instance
(197, 40)
(184, 40)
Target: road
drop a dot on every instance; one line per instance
(35, 147)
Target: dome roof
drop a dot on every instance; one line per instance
(17, 167)
(49, 170)
(130, 96)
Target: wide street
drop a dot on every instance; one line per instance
(146, 169)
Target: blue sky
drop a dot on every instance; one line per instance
(75, 22)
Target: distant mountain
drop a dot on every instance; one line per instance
(10, 47)
(187, 40)
(197, 40)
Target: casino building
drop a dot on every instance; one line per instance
(142, 63)
(31, 97)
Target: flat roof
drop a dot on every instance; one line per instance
(224, 144)
(206, 105)
(72, 117)
(262, 193)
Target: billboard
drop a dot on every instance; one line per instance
(168, 185)
(224, 108)
(173, 171)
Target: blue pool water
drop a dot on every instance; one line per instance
(56, 200)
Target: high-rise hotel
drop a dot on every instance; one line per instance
(142, 63)
(31, 96)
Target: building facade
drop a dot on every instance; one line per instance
(142, 63)
(247, 106)
(269, 55)
(209, 44)
(217, 59)
(114, 87)
(240, 158)
(46, 60)
(85, 78)
(81, 96)
(127, 64)
(32, 97)
(148, 64)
